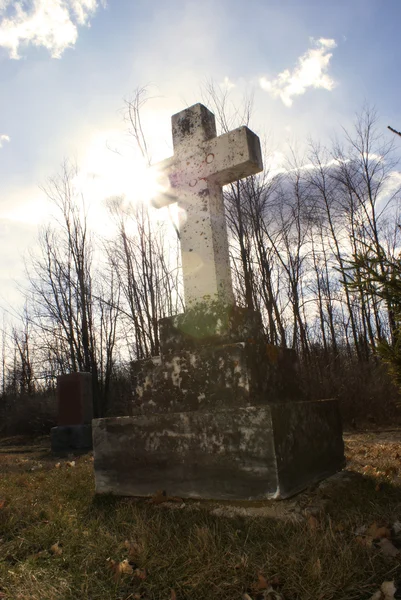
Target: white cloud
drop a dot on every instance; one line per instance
(52, 24)
(4, 138)
(310, 71)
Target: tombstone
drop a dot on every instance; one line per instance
(74, 413)
(219, 414)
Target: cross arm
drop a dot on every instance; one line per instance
(232, 156)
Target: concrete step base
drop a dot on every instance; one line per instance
(272, 450)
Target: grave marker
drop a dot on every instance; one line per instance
(219, 414)
(201, 165)
(74, 413)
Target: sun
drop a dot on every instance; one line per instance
(112, 169)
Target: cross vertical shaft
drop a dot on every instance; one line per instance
(201, 165)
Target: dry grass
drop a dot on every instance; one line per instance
(59, 541)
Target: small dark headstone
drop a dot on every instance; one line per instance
(75, 412)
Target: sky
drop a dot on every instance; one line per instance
(66, 67)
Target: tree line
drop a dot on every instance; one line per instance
(312, 247)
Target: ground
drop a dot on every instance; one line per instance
(337, 541)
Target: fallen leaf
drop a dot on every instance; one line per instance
(388, 588)
(387, 591)
(388, 547)
(317, 567)
(57, 465)
(377, 533)
(140, 574)
(2, 504)
(120, 568)
(173, 595)
(246, 597)
(56, 549)
(364, 540)
(71, 463)
(115, 567)
(261, 583)
(159, 497)
(313, 523)
(125, 567)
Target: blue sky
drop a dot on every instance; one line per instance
(66, 65)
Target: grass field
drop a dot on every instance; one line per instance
(58, 541)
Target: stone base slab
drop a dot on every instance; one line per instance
(213, 378)
(256, 452)
(65, 438)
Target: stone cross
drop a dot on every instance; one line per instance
(201, 165)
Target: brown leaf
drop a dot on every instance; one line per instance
(364, 540)
(173, 595)
(386, 592)
(317, 568)
(70, 463)
(246, 597)
(57, 465)
(120, 568)
(140, 574)
(56, 549)
(125, 568)
(377, 533)
(159, 497)
(262, 583)
(388, 548)
(388, 588)
(2, 504)
(313, 523)
(115, 567)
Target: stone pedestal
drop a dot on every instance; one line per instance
(66, 438)
(75, 412)
(217, 415)
(271, 451)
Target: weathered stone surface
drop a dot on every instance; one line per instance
(209, 324)
(218, 413)
(214, 377)
(73, 437)
(245, 453)
(201, 165)
(308, 442)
